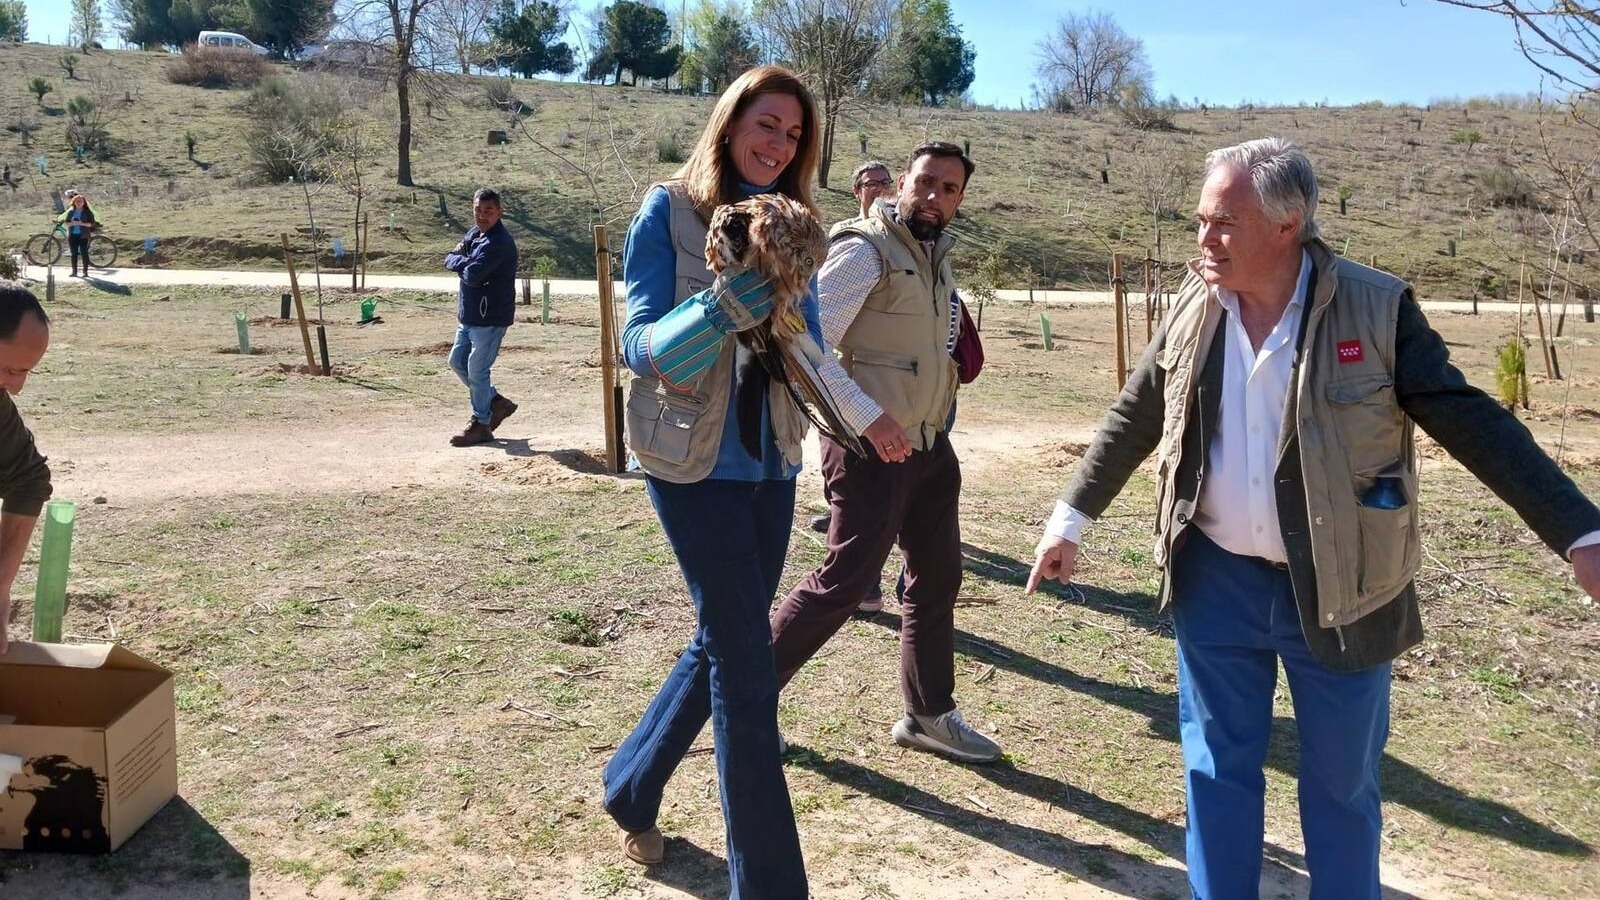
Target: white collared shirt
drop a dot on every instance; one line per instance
(1238, 507)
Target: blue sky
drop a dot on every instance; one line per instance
(1263, 51)
(1269, 51)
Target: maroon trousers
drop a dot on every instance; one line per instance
(873, 504)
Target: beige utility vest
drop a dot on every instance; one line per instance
(1350, 425)
(676, 435)
(898, 347)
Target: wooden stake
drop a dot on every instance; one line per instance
(1544, 345)
(1120, 305)
(1521, 270)
(608, 364)
(1149, 298)
(299, 307)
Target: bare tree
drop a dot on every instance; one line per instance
(397, 29)
(1088, 59)
(1561, 38)
(459, 27)
(833, 44)
(1163, 174)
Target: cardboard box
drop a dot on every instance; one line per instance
(93, 727)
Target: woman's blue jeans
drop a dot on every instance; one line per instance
(730, 538)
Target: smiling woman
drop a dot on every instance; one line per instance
(724, 494)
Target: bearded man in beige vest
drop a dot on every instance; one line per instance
(888, 305)
(1282, 394)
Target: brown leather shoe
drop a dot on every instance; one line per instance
(475, 433)
(644, 847)
(500, 409)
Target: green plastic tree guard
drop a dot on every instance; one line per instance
(55, 552)
(242, 325)
(544, 310)
(1044, 331)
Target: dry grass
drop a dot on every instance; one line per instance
(401, 666)
(1412, 186)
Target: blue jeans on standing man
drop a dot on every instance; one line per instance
(1235, 617)
(730, 538)
(472, 356)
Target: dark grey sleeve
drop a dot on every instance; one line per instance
(1127, 435)
(1483, 436)
(24, 477)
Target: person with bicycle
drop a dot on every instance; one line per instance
(79, 221)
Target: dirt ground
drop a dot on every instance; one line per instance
(401, 665)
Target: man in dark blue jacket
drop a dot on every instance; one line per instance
(486, 260)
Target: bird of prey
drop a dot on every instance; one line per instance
(779, 238)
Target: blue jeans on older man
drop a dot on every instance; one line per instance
(1235, 618)
(472, 356)
(730, 538)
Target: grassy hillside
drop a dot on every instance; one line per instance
(1414, 184)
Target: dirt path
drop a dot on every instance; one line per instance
(329, 456)
(574, 287)
(293, 458)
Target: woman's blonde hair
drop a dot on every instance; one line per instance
(710, 176)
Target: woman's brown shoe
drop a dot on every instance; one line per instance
(643, 847)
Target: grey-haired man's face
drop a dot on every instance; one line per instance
(872, 184)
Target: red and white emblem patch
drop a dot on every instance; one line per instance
(1350, 351)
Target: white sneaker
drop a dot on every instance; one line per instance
(948, 735)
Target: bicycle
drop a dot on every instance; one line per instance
(44, 248)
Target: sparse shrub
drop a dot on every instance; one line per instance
(69, 64)
(8, 267)
(498, 93)
(1141, 109)
(38, 87)
(1502, 185)
(23, 124)
(292, 124)
(1467, 136)
(669, 148)
(86, 127)
(190, 143)
(213, 67)
(574, 626)
(1511, 375)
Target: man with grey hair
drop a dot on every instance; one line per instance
(868, 182)
(1282, 394)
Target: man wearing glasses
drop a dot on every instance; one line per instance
(868, 182)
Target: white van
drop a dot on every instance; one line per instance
(228, 40)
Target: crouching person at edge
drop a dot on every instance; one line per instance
(726, 514)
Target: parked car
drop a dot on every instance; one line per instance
(228, 40)
(349, 54)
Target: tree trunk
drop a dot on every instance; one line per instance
(403, 160)
(826, 160)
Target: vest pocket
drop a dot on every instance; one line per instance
(889, 380)
(1385, 546)
(1369, 420)
(661, 425)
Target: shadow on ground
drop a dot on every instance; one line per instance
(177, 855)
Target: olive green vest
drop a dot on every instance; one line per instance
(1350, 425)
(898, 347)
(676, 435)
